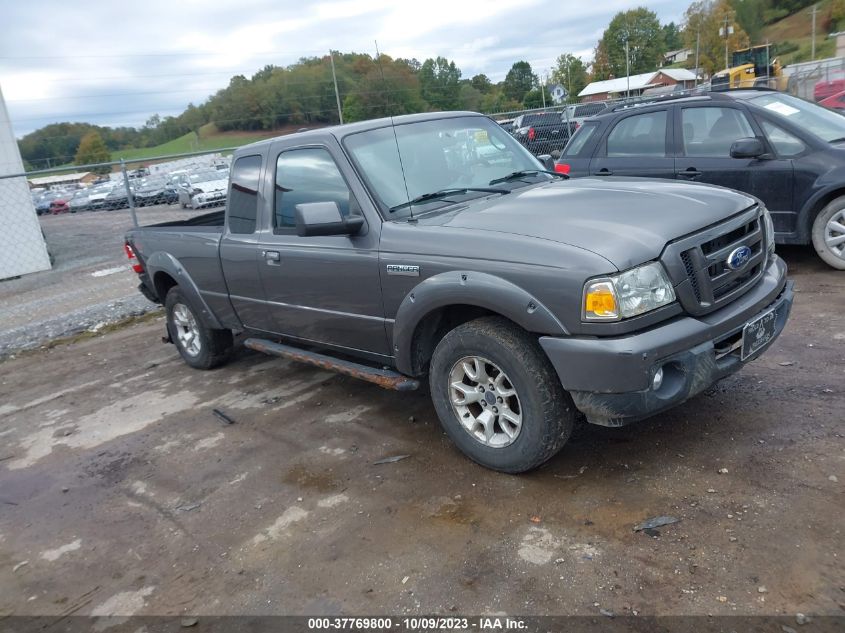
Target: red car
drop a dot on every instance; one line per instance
(824, 89)
(59, 205)
(834, 102)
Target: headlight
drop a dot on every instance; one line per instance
(769, 228)
(627, 294)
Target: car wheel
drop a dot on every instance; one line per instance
(200, 347)
(829, 233)
(498, 397)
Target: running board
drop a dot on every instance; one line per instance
(381, 377)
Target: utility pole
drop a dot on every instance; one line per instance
(336, 93)
(627, 70)
(697, 46)
(726, 31)
(543, 90)
(813, 45)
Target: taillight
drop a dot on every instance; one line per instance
(133, 258)
(531, 134)
(562, 168)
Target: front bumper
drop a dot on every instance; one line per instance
(610, 378)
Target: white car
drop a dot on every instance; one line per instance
(202, 189)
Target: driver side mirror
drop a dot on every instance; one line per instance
(548, 161)
(747, 148)
(325, 218)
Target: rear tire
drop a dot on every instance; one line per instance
(509, 411)
(201, 347)
(828, 229)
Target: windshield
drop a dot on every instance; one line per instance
(828, 126)
(457, 153)
(207, 176)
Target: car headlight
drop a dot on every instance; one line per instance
(627, 294)
(769, 228)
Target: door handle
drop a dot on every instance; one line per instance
(273, 258)
(690, 172)
(604, 171)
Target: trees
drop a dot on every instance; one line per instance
(481, 83)
(534, 98)
(672, 38)
(571, 73)
(704, 18)
(440, 83)
(519, 80)
(641, 29)
(92, 150)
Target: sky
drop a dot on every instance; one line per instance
(118, 62)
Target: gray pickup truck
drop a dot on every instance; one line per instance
(436, 245)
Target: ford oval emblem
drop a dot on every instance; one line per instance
(738, 258)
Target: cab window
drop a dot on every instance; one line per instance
(308, 175)
(243, 195)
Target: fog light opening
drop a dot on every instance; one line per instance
(657, 381)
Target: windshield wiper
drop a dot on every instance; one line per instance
(444, 193)
(837, 140)
(515, 175)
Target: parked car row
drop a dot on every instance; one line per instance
(197, 187)
(549, 132)
(787, 152)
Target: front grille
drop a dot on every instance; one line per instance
(699, 268)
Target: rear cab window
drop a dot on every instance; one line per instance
(242, 207)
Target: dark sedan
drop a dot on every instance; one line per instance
(788, 152)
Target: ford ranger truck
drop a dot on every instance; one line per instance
(435, 246)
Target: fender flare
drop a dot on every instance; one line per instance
(459, 287)
(162, 262)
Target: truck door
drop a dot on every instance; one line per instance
(637, 145)
(239, 251)
(322, 289)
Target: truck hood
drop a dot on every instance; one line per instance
(627, 221)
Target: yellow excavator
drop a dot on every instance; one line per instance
(751, 67)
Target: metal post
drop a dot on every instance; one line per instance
(627, 70)
(129, 197)
(543, 94)
(336, 93)
(813, 45)
(697, 44)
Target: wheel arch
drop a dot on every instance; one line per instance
(444, 301)
(166, 271)
(813, 207)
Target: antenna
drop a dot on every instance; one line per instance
(393, 128)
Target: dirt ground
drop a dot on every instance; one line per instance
(121, 492)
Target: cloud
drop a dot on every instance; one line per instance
(119, 63)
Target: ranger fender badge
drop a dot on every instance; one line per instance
(403, 269)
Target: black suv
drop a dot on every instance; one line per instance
(787, 152)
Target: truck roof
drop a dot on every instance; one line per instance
(340, 131)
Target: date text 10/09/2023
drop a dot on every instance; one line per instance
(485, 623)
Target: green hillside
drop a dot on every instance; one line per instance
(793, 35)
(209, 138)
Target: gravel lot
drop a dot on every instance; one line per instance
(121, 493)
(90, 285)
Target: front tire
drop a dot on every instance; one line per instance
(829, 233)
(498, 397)
(200, 347)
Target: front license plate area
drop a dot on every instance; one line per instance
(758, 333)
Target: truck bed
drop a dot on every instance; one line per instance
(215, 219)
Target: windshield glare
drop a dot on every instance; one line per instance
(435, 155)
(817, 120)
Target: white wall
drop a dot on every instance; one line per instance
(22, 247)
